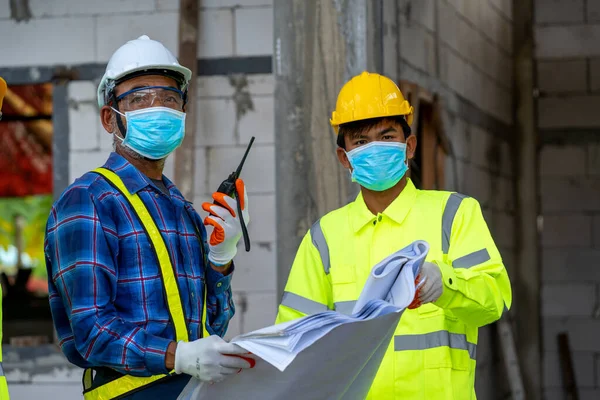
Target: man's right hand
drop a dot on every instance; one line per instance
(207, 359)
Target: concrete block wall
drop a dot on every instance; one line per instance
(231, 111)
(465, 45)
(462, 50)
(73, 31)
(568, 63)
(568, 67)
(570, 193)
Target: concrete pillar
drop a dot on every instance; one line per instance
(527, 272)
(319, 45)
(185, 155)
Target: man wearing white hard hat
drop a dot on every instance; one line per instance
(140, 297)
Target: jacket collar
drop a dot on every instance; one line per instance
(360, 215)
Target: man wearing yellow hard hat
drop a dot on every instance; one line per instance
(463, 283)
(3, 386)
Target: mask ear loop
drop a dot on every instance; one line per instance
(119, 120)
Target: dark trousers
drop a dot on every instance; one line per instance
(169, 389)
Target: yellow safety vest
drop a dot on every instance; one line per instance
(3, 386)
(432, 355)
(128, 383)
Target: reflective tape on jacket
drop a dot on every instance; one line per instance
(128, 383)
(471, 260)
(448, 218)
(308, 306)
(302, 304)
(432, 340)
(344, 307)
(318, 239)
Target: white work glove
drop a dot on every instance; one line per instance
(205, 359)
(429, 285)
(225, 220)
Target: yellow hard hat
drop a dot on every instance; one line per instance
(2, 92)
(369, 95)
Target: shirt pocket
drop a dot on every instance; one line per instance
(343, 282)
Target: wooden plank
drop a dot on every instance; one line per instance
(511, 361)
(566, 363)
(185, 155)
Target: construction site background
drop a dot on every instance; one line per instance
(508, 118)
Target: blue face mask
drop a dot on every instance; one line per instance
(154, 132)
(378, 166)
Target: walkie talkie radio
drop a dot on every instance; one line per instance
(228, 187)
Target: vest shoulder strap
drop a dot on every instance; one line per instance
(166, 267)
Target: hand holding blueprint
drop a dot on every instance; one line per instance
(326, 355)
(393, 279)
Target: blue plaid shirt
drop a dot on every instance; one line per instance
(106, 292)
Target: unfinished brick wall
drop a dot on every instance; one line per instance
(568, 71)
(462, 50)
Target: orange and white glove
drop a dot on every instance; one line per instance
(429, 285)
(225, 220)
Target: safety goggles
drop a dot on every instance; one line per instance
(144, 97)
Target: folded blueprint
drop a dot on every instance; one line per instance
(327, 355)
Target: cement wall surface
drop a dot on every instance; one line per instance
(568, 71)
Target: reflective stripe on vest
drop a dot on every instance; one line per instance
(128, 383)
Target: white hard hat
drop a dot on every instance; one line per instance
(141, 54)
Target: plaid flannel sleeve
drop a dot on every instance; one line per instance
(80, 243)
(219, 299)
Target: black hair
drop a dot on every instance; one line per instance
(356, 128)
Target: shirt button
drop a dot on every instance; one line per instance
(192, 295)
(375, 222)
(379, 219)
(450, 280)
(156, 195)
(219, 284)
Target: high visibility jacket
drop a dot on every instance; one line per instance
(433, 352)
(3, 386)
(128, 384)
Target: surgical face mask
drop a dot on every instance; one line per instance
(378, 166)
(154, 132)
